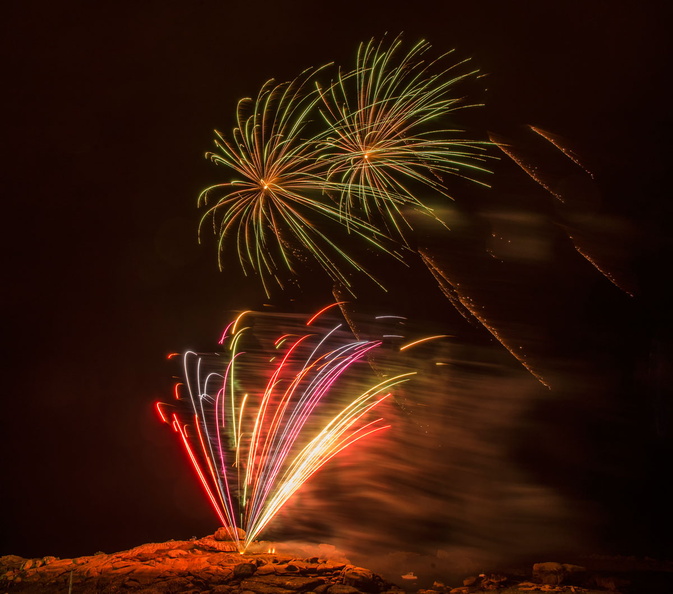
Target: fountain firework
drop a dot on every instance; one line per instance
(255, 434)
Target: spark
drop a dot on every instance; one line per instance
(234, 325)
(531, 170)
(225, 332)
(553, 139)
(422, 340)
(161, 413)
(323, 310)
(600, 269)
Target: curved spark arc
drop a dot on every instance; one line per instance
(249, 472)
(422, 340)
(382, 135)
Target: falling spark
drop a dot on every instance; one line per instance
(466, 302)
(595, 264)
(531, 170)
(553, 139)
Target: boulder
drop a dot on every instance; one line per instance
(553, 573)
(360, 578)
(280, 584)
(244, 570)
(224, 534)
(342, 589)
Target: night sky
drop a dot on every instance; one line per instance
(108, 109)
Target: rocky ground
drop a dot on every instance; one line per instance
(214, 566)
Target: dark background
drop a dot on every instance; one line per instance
(107, 111)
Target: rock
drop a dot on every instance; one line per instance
(493, 582)
(11, 562)
(342, 589)
(360, 578)
(279, 584)
(569, 568)
(223, 534)
(549, 573)
(609, 582)
(553, 574)
(296, 565)
(175, 553)
(182, 567)
(328, 567)
(266, 569)
(244, 570)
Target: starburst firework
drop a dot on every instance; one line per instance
(386, 145)
(279, 204)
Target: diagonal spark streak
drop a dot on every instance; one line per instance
(448, 287)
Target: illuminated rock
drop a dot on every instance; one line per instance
(223, 534)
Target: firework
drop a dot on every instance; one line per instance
(531, 169)
(467, 308)
(384, 140)
(560, 145)
(539, 174)
(278, 206)
(253, 446)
